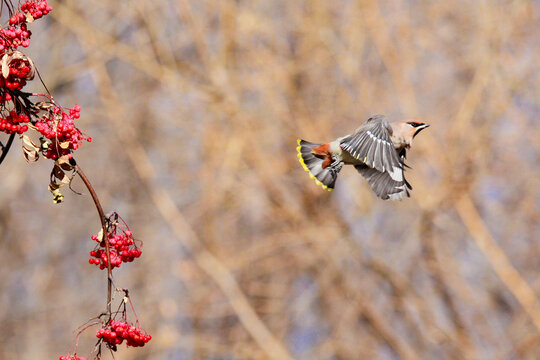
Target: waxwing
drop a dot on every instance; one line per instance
(376, 149)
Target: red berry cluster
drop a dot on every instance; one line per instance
(36, 8)
(71, 357)
(15, 35)
(58, 126)
(118, 331)
(14, 123)
(122, 249)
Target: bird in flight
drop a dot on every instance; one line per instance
(376, 149)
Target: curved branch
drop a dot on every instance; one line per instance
(105, 234)
(5, 149)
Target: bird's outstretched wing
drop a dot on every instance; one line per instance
(382, 165)
(372, 145)
(383, 185)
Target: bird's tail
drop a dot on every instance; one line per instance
(325, 177)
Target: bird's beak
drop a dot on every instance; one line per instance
(420, 128)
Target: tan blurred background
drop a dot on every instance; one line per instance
(194, 108)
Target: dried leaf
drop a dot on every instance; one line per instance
(65, 162)
(29, 17)
(54, 186)
(64, 145)
(57, 196)
(29, 143)
(5, 66)
(65, 159)
(17, 55)
(30, 149)
(43, 105)
(7, 59)
(30, 156)
(59, 177)
(44, 144)
(32, 67)
(99, 235)
(57, 173)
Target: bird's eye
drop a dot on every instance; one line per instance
(413, 124)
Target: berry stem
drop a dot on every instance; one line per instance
(105, 235)
(5, 149)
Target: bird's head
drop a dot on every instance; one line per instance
(403, 132)
(415, 127)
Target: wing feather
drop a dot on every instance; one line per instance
(384, 158)
(370, 157)
(371, 143)
(377, 156)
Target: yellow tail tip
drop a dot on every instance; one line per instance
(301, 160)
